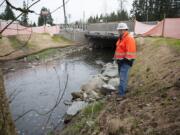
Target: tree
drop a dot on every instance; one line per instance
(153, 10)
(8, 13)
(24, 18)
(2, 16)
(122, 4)
(45, 17)
(122, 15)
(34, 24)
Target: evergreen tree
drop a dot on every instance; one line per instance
(45, 17)
(2, 16)
(153, 10)
(34, 24)
(8, 13)
(24, 18)
(90, 20)
(122, 15)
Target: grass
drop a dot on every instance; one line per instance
(93, 108)
(57, 38)
(18, 44)
(15, 43)
(42, 55)
(174, 43)
(86, 120)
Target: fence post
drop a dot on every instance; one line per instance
(17, 29)
(163, 25)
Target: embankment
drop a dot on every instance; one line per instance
(6, 123)
(152, 104)
(20, 46)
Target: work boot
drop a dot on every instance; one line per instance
(120, 98)
(115, 92)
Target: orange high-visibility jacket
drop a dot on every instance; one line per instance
(125, 48)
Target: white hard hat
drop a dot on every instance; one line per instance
(122, 26)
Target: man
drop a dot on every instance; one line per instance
(125, 55)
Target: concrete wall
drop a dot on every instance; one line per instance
(108, 26)
(74, 35)
(78, 34)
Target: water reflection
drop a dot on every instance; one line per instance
(38, 87)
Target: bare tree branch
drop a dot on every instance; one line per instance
(17, 17)
(19, 9)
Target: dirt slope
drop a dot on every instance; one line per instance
(152, 104)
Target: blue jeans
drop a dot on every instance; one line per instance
(123, 69)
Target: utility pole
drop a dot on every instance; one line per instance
(65, 17)
(83, 20)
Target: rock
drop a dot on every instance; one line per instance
(78, 99)
(95, 83)
(90, 123)
(67, 102)
(107, 89)
(85, 96)
(111, 71)
(67, 118)
(104, 78)
(76, 107)
(90, 100)
(114, 82)
(93, 94)
(25, 59)
(99, 62)
(76, 95)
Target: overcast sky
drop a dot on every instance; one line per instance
(74, 8)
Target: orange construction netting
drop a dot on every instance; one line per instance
(17, 29)
(169, 27)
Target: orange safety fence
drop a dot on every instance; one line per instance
(169, 27)
(141, 28)
(17, 29)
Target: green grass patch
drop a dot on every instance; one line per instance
(93, 109)
(18, 44)
(175, 43)
(15, 43)
(57, 38)
(86, 120)
(43, 55)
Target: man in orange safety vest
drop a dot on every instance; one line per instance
(125, 55)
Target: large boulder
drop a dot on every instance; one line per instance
(107, 89)
(77, 95)
(114, 82)
(110, 70)
(94, 84)
(99, 62)
(76, 107)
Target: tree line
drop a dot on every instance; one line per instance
(114, 16)
(142, 10)
(155, 10)
(43, 19)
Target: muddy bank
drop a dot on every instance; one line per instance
(6, 123)
(40, 58)
(152, 104)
